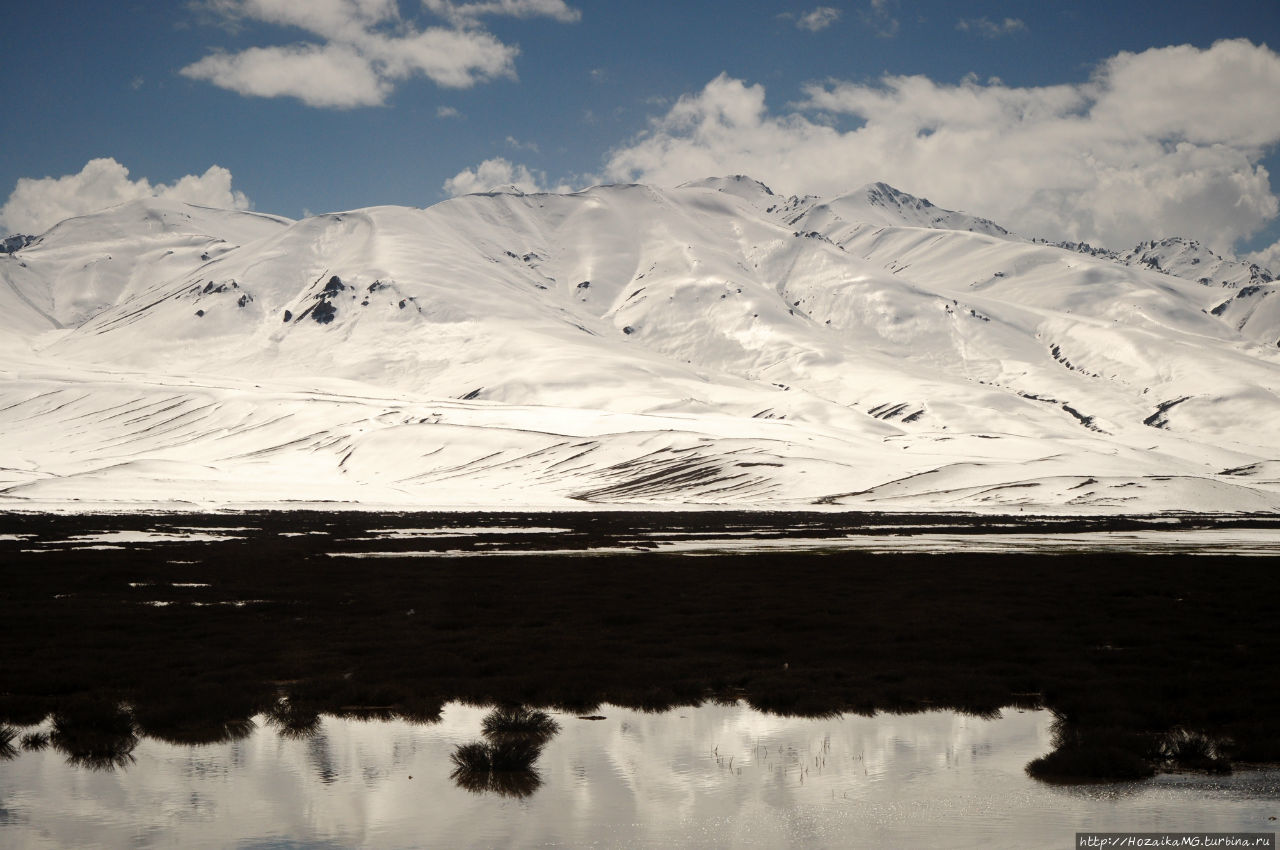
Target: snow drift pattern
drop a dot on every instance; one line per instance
(711, 344)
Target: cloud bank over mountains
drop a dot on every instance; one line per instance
(499, 173)
(1159, 143)
(1165, 142)
(38, 204)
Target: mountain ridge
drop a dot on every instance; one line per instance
(709, 344)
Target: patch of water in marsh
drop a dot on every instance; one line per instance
(712, 776)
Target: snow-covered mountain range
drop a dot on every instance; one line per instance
(713, 344)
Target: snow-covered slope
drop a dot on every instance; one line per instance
(1244, 296)
(86, 264)
(881, 204)
(710, 344)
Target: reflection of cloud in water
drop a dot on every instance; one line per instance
(716, 775)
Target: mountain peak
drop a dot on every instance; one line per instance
(1189, 259)
(883, 205)
(156, 216)
(625, 344)
(734, 184)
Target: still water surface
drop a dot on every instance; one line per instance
(713, 776)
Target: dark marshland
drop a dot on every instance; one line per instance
(185, 628)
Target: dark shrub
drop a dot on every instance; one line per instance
(95, 735)
(1192, 751)
(292, 719)
(501, 767)
(515, 722)
(1090, 762)
(35, 741)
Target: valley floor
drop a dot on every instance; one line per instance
(199, 622)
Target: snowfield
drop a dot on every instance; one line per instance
(709, 345)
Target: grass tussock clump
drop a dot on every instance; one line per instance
(496, 756)
(34, 742)
(424, 710)
(1095, 755)
(502, 767)
(1189, 750)
(1090, 762)
(514, 723)
(293, 719)
(198, 716)
(95, 735)
(7, 736)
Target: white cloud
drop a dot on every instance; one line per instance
(325, 76)
(879, 16)
(818, 19)
(1164, 142)
(988, 28)
(1268, 258)
(37, 204)
(464, 12)
(451, 58)
(499, 174)
(516, 144)
(363, 48)
(447, 112)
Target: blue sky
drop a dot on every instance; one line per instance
(1004, 109)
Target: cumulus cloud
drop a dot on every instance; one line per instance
(1268, 258)
(988, 28)
(1160, 143)
(362, 48)
(327, 76)
(37, 204)
(499, 174)
(818, 19)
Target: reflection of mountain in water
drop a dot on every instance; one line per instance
(1139, 646)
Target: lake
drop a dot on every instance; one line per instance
(274, 679)
(714, 776)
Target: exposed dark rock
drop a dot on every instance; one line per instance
(1084, 419)
(1160, 419)
(15, 243)
(324, 312)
